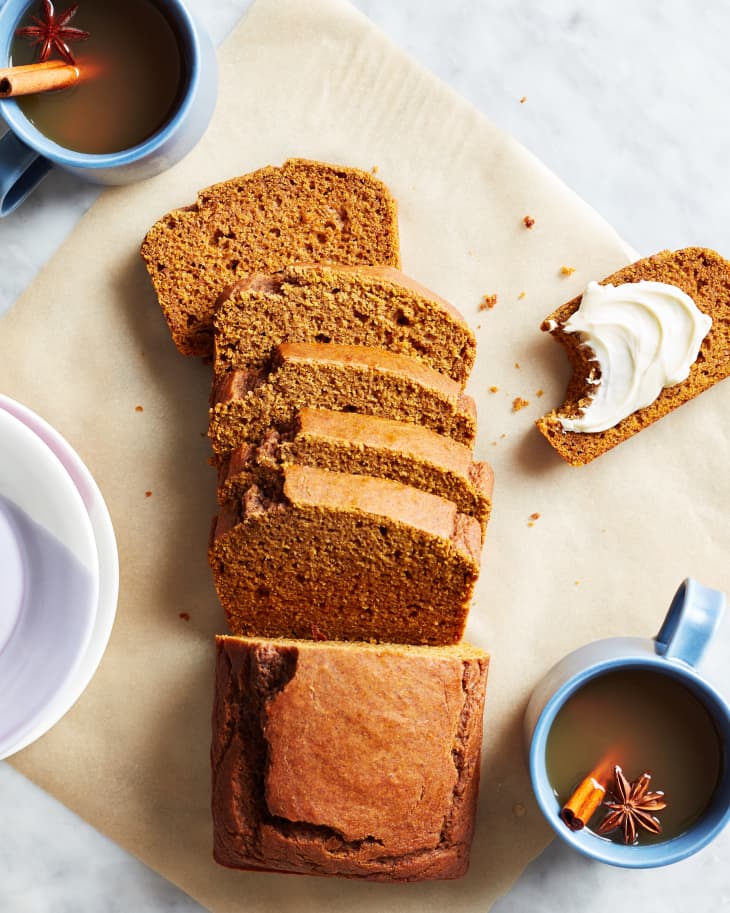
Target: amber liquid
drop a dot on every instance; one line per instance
(132, 77)
(646, 721)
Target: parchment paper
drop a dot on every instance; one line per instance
(86, 344)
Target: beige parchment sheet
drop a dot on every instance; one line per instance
(86, 344)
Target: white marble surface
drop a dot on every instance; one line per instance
(627, 102)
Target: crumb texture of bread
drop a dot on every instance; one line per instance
(302, 211)
(346, 759)
(364, 306)
(360, 558)
(365, 445)
(703, 275)
(247, 404)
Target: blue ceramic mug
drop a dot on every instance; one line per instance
(691, 621)
(26, 155)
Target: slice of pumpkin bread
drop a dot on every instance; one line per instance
(349, 759)
(365, 445)
(354, 557)
(303, 210)
(700, 273)
(364, 306)
(247, 404)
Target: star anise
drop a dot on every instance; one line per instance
(53, 32)
(632, 807)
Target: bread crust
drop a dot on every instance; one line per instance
(346, 759)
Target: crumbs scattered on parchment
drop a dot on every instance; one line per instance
(374, 169)
(528, 221)
(517, 365)
(577, 583)
(148, 494)
(185, 616)
(523, 99)
(139, 408)
(487, 303)
(533, 517)
(567, 270)
(521, 295)
(494, 389)
(519, 403)
(539, 393)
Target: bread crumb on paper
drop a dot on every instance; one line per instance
(185, 616)
(539, 393)
(148, 494)
(139, 408)
(567, 270)
(535, 516)
(519, 403)
(528, 221)
(487, 303)
(521, 295)
(375, 169)
(494, 389)
(523, 99)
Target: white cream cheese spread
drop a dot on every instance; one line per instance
(644, 336)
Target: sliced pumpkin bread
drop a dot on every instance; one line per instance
(364, 306)
(304, 210)
(350, 557)
(364, 445)
(247, 404)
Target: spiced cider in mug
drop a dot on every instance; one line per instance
(132, 71)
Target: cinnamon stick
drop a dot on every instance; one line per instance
(580, 807)
(37, 77)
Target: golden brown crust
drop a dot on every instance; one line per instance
(358, 557)
(247, 404)
(705, 276)
(364, 306)
(303, 210)
(346, 759)
(365, 445)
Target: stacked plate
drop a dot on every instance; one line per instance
(59, 576)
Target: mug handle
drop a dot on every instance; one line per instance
(693, 617)
(21, 170)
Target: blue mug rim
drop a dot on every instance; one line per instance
(60, 155)
(604, 850)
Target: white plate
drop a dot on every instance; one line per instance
(50, 565)
(108, 560)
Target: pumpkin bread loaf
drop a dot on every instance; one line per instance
(703, 275)
(303, 210)
(356, 760)
(249, 403)
(364, 306)
(356, 557)
(364, 445)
